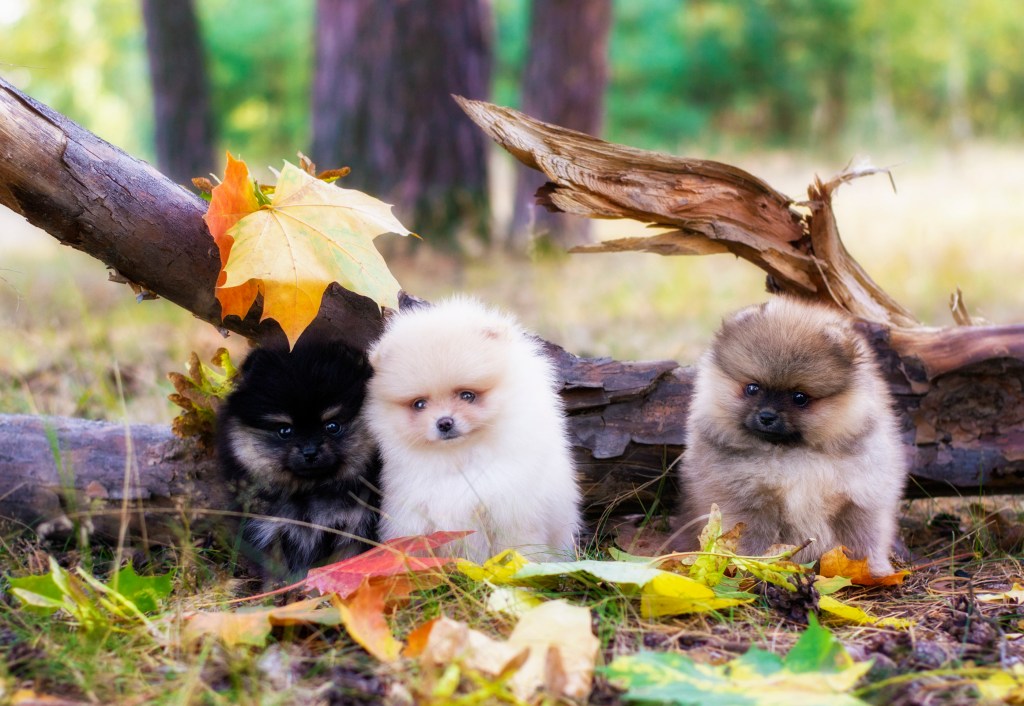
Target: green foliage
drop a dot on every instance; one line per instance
(89, 602)
(260, 60)
(799, 73)
(816, 671)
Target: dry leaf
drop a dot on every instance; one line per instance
(563, 650)
(453, 641)
(363, 615)
(397, 556)
(1013, 596)
(836, 562)
(252, 626)
(837, 608)
(552, 648)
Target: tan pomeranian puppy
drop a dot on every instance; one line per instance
(791, 431)
(464, 405)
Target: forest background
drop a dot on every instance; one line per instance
(782, 88)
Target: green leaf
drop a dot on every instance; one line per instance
(620, 573)
(817, 650)
(39, 594)
(816, 672)
(145, 592)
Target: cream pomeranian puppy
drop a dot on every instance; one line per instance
(791, 431)
(464, 405)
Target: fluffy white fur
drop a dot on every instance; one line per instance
(504, 467)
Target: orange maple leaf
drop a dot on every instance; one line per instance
(310, 235)
(836, 562)
(363, 614)
(230, 201)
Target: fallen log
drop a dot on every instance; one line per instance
(959, 390)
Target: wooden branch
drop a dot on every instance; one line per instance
(714, 208)
(90, 195)
(959, 391)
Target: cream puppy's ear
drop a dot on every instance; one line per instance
(376, 354)
(497, 331)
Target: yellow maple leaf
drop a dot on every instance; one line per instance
(853, 614)
(499, 569)
(672, 594)
(310, 235)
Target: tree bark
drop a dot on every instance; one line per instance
(90, 195)
(382, 105)
(183, 120)
(960, 391)
(564, 83)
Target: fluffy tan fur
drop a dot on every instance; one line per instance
(464, 405)
(791, 431)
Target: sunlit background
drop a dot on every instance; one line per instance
(785, 89)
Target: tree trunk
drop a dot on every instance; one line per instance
(382, 105)
(183, 121)
(959, 391)
(565, 81)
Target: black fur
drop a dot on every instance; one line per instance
(291, 438)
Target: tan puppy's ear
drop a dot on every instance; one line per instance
(843, 336)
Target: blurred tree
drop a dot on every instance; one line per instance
(564, 83)
(183, 123)
(260, 60)
(384, 74)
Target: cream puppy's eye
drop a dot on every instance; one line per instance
(419, 404)
(800, 399)
(467, 396)
(752, 389)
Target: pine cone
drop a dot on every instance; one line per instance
(794, 604)
(966, 624)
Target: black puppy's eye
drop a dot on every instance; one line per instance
(332, 428)
(800, 399)
(285, 432)
(419, 404)
(467, 395)
(752, 389)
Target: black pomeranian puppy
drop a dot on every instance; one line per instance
(292, 439)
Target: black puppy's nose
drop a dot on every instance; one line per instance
(445, 424)
(309, 451)
(767, 417)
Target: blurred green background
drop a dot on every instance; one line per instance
(785, 89)
(707, 73)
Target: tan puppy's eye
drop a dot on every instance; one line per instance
(419, 404)
(752, 389)
(800, 399)
(467, 396)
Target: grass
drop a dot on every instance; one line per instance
(125, 664)
(68, 335)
